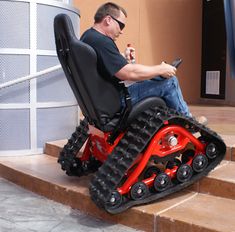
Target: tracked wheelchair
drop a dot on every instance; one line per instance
(137, 153)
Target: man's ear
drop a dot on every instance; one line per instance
(107, 20)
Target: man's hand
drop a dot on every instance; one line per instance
(129, 54)
(167, 70)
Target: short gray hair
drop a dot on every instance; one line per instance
(108, 8)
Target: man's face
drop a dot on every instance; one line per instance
(117, 25)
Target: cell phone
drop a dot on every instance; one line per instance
(177, 62)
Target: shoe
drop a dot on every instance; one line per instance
(202, 120)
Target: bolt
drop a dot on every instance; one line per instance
(172, 141)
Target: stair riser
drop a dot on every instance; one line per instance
(218, 188)
(164, 225)
(52, 150)
(233, 154)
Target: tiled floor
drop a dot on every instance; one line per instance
(24, 211)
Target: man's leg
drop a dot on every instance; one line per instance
(167, 89)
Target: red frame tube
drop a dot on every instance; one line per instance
(158, 146)
(97, 144)
(159, 149)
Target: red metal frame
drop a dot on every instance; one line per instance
(157, 147)
(98, 146)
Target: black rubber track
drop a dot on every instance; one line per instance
(67, 157)
(135, 140)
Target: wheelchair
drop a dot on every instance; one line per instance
(138, 153)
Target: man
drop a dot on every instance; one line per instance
(158, 80)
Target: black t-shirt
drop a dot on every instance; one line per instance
(109, 59)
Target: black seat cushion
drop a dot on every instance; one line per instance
(144, 105)
(136, 110)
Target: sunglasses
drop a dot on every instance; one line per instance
(121, 25)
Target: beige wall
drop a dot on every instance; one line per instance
(160, 30)
(230, 86)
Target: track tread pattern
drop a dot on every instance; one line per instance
(67, 158)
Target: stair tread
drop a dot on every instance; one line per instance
(59, 143)
(225, 171)
(42, 174)
(228, 139)
(220, 182)
(202, 211)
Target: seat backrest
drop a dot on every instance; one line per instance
(98, 98)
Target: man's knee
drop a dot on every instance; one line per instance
(174, 80)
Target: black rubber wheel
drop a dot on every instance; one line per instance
(200, 163)
(115, 200)
(211, 150)
(184, 173)
(161, 182)
(139, 191)
(75, 169)
(150, 171)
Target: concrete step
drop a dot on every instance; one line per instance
(220, 182)
(180, 212)
(53, 148)
(230, 144)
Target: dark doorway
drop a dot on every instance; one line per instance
(213, 50)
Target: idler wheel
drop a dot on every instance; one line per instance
(200, 162)
(211, 150)
(139, 191)
(115, 200)
(184, 173)
(161, 182)
(150, 171)
(75, 169)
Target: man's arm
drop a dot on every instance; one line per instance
(138, 72)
